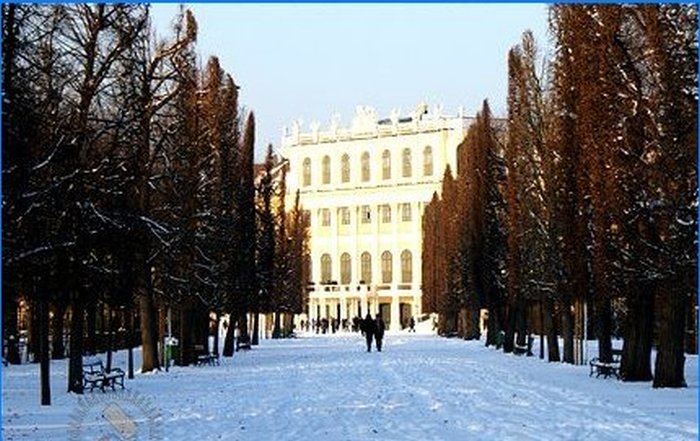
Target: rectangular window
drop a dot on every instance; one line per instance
(344, 214)
(406, 212)
(366, 214)
(386, 213)
(325, 217)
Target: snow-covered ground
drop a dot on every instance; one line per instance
(420, 387)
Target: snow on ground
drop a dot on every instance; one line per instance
(421, 387)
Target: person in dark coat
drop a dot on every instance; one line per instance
(369, 327)
(379, 332)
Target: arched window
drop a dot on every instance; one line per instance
(365, 167)
(345, 269)
(386, 165)
(386, 267)
(406, 266)
(306, 178)
(326, 169)
(345, 168)
(366, 267)
(406, 163)
(427, 161)
(326, 273)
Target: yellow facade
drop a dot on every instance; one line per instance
(365, 188)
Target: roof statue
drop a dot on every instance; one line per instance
(335, 123)
(296, 127)
(421, 109)
(314, 126)
(394, 115)
(365, 118)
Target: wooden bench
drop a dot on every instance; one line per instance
(95, 375)
(606, 369)
(203, 357)
(242, 343)
(526, 350)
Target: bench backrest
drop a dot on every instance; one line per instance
(93, 366)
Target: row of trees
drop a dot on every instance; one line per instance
(586, 201)
(129, 186)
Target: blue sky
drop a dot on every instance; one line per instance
(308, 61)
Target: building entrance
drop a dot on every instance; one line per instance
(385, 312)
(405, 314)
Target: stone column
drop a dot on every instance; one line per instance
(395, 314)
(322, 304)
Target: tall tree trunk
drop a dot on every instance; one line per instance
(149, 333)
(551, 330)
(493, 327)
(58, 348)
(670, 358)
(44, 325)
(130, 344)
(34, 338)
(288, 323)
(636, 351)
(162, 332)
(542, 331)
(567, 331)
(75, 364)
(243, 326)
(216, 331)
(91, 336)
(509, 338)
(473, 316)
(276, 329)
(108, 326)
(229, 343)
(521, 323)
(186, 343)
(256, 328)
(603, 318)
(148, 316)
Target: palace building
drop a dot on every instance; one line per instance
(365, 188)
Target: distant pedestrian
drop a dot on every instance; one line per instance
(369, 328)
(412, 325)
(379, 332)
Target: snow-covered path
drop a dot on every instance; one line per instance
(327, 387)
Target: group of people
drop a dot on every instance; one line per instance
(373, 329)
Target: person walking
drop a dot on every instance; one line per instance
(369, 327)
(379, 332)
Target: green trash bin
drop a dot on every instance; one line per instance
(172, 350)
